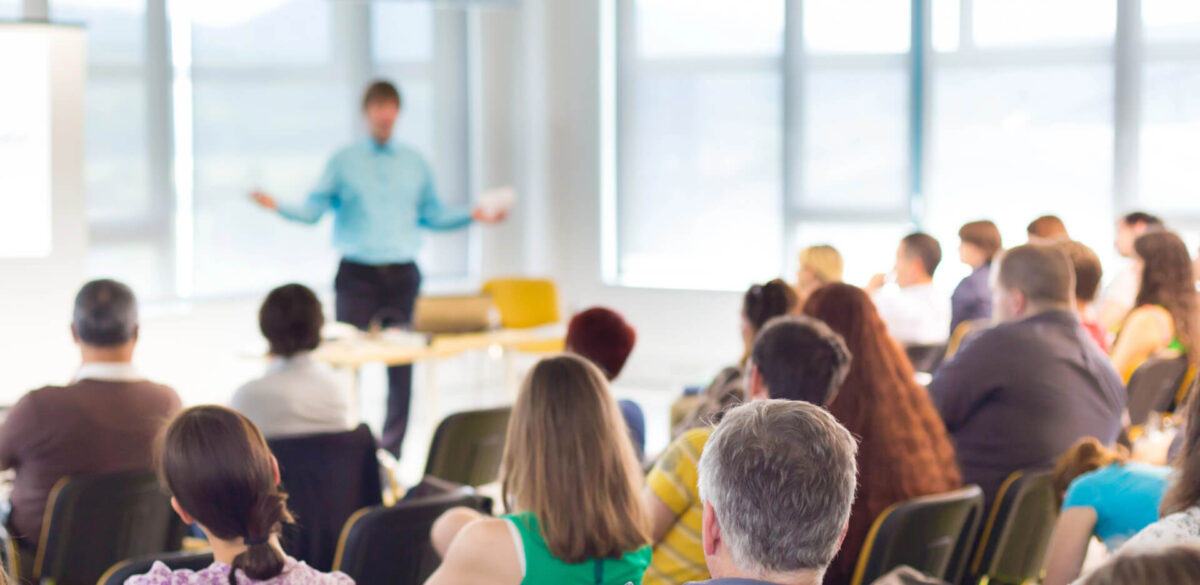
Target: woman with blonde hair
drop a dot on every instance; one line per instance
(571, 486)
(819, 265)
(1102, 494)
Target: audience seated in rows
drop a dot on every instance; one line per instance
(917, 313)
(1018, 395)
(1101, 494)
(819, 265)
(1174, 565)
(1120, 295)
(298, 395)
(570, 483)
(223, 478)
(979, 242)
(1047, 229)
(104, 421)
(605, 338)
(1165, 319)
(1180, 510)
(793, 358)
(761, 303)
(904, 451)
(1088, 273)
(776, 484)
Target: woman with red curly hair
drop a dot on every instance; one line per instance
(904, 451)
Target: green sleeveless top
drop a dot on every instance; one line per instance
(541, 568)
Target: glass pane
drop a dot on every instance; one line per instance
(857, 26)
(701, 180)
(10, 9)
(1011, 143)
(261, 33)
(144, 266)
(1170, 124)
(247, 136)
(693, 28)
(855, 139)
(946, 24)
(401, 33)
(116, 168)
(1043, 22)
(1171, 20)
(116, 28)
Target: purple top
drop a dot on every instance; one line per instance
(294, 573)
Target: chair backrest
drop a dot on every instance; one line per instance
(925, 358)
(122, 571)
(524, 302)
(1012, 547)
(922, 533)
(1153, 387)
(390, 545)
(468, 446)
(327, 477)
(97, 521)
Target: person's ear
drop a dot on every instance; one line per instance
(275, 470)
(74, 334)
(710, 534)
(842, 538)
(137, 329)
(187, 518)
(757, 389)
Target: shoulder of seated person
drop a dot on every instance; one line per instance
(485, 531)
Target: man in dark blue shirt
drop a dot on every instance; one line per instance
(1018, 395)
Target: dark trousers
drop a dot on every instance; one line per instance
(384, 294)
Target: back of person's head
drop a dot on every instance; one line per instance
(1173, 565)
(382, 91)
(1086, 455)
(982, 234)
(291, 319)
(602, 336)
(569, 461)
(1043, 274)
(763, 302)
(106, 314)
(780, 478)
(1184, 490)
(824, 261)
(800, 358)
(1046, 229)
(1142, 218)
(1168, 280)
(1088, 270)
(219, 470)
(923, 247)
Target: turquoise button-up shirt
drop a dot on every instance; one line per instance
(381, 197)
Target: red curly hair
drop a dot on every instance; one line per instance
(904, 450)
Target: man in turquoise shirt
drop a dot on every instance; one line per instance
(381, 195)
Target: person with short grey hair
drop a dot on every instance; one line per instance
(104, 421)
(777, 478)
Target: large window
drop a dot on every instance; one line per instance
(191, 105)
(873, 117)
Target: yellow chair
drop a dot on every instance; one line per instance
(526, 303)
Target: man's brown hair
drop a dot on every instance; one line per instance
(1043, 273)
(982, 234)
(381, 91)
(925, 248)
(1048, 227)
(1088, 270)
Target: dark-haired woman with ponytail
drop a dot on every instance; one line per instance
(222, 476)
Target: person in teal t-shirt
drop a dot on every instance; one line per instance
(1103, 495)
(571, 483)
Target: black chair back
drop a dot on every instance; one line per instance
(390, 545)
(1154, 387)
(97, 521)
(122, 571)
(922, 533)
(327, 477)
(925, 358)
(1012, 547)
(468, 446)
